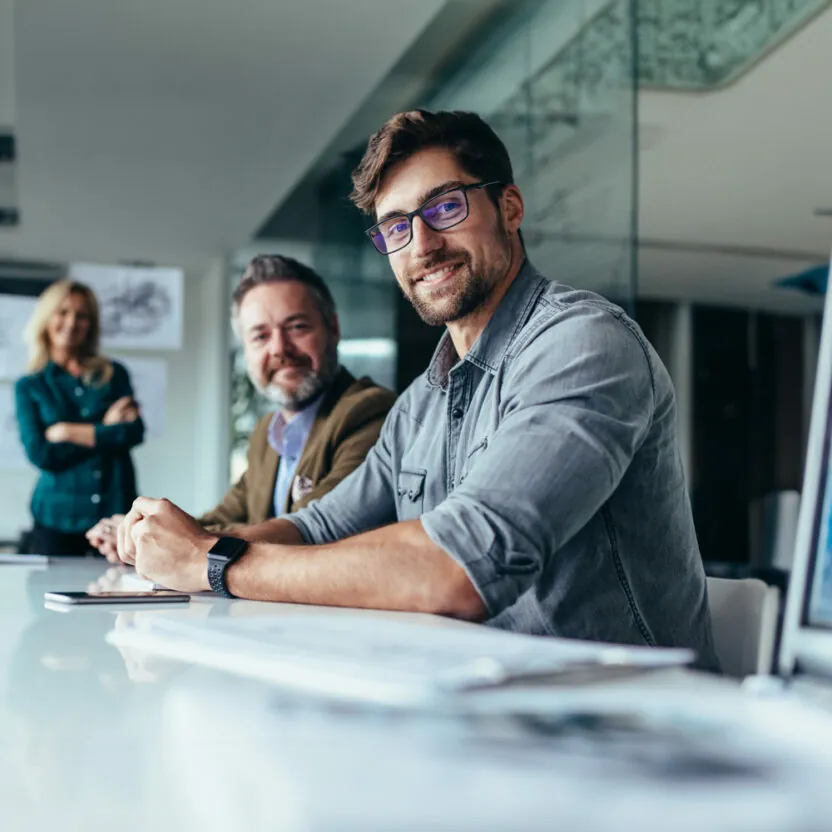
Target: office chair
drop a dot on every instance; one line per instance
(744, 614)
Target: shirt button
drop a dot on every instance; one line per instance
(79, 391)
(96, 498)
(85, 412)
(457, 413)
(97, 475)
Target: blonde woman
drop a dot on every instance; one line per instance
(78, 421)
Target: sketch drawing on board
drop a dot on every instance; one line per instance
(136, 309)
(141, 307)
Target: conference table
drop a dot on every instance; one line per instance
(93, 737)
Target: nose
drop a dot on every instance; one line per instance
(425, 240)
(276, 342)
(279, 345)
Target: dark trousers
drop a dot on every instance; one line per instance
(45, 541)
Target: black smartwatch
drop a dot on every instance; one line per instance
(223, 553)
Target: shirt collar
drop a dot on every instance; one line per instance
(299, 425)
(488, 351)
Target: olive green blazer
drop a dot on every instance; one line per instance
(345, 428)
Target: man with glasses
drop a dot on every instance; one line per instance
(530, 478)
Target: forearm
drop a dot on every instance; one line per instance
(397, 567)
(276, 530)
(120, 435)
(80, 434)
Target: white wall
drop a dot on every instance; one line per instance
(189, 464)
(6, 63)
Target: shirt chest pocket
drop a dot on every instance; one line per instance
(472, 457)
(410, 494)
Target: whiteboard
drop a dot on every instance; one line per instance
(12, 455)
(15, 311)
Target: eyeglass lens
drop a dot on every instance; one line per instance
(440, 213)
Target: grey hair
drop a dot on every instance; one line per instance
(274, 268)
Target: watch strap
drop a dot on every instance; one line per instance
(223, 553)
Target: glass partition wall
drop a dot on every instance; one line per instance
(558, 86)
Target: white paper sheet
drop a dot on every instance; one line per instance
(395, 662)
(12, 455)
(141, 308)
(15, 311)
(149, 377)
(24, 560)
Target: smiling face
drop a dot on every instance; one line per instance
(69, 326)
(450, 275)
(291, 353)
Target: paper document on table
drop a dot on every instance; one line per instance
(26, 560)
(369, 658)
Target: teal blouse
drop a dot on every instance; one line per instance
(78, 486)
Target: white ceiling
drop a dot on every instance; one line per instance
(167, 130)
(741, 168)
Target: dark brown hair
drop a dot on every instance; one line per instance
(475, 145)
(273, 268)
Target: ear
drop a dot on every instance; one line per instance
(513, 209)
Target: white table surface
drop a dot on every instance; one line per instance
(91, 739)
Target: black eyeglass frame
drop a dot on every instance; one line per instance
(473, 186)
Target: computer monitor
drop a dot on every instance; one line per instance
(806, 643)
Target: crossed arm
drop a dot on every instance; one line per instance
(84, 434)
(61, 446)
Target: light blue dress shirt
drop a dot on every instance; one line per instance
(289, 439)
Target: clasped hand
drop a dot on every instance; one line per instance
(103, 537)
(166, 545)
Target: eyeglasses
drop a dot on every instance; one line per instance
(440, 213)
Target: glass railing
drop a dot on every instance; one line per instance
(700, 44)
(682, 44)
(558, 88)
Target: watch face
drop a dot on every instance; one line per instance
(227, 548)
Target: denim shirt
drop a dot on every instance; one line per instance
(546, 464)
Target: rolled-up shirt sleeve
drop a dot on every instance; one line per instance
(363, 500)
(577, 402)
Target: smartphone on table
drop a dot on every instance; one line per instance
(156, 596)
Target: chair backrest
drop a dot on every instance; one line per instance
(744, 616)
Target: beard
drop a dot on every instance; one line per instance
(469, 289)
(310, 386)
